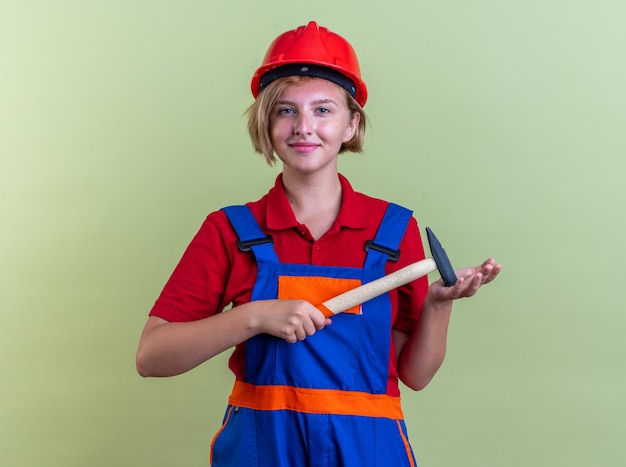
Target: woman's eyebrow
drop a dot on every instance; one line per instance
(324, 101)
(316, 102)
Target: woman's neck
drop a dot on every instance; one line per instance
(315, 202)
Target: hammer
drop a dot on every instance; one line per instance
(403, 276)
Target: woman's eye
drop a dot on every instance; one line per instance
(285, 111)
(323, 110)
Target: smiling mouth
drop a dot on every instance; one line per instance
(304, 147)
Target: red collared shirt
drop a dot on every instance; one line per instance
(213, 273)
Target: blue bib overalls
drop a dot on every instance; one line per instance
(321, 401)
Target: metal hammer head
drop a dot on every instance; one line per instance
(441, 259)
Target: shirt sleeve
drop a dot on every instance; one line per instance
(411, 296)
(195, 290)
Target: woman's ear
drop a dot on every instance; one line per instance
(353, 124)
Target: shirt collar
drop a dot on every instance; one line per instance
(280, 216)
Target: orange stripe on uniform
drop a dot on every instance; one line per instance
(407, 446)
(230, 411)
(321, 401)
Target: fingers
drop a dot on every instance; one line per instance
(472, 284)
(302, 320)
(465, 286)
(485, 273)
(489, 269)
(469, 281)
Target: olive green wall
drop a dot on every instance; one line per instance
(501, 123)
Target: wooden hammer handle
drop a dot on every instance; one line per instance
(378, 287)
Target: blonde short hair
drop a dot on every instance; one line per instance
(259, 118)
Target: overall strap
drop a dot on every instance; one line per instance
(390, 232)
(251, 237)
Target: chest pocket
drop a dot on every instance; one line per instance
(316, 289)
(351, 354)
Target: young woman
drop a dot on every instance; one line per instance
(308, 390)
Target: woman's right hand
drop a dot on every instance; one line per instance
(291, 320)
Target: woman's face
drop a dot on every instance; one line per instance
(309, 124)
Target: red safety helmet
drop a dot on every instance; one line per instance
(328, 56)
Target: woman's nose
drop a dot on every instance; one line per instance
(302, 125)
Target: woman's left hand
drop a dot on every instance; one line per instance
(469, 280)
